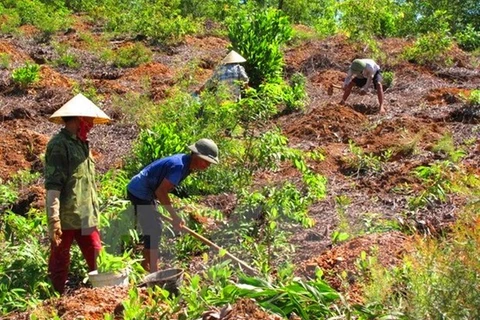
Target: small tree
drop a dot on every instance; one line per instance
(258, 35)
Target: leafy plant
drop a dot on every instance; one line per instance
(343, 230)
(295, 95)
(88, 89)
(4, 60)
(26, 75)
(361, 162)
(436, 181)
(132, 56)
(107, 262)
(446, 146)
(474, 98)
(307, 299)
(258, 35)
(23, 267)
(66, 58)
(388, 79)
(429, 48)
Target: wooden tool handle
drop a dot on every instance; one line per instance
(215, 246)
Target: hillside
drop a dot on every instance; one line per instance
(426, 104)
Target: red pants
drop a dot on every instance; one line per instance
(59, 262)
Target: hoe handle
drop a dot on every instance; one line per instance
(216, 247)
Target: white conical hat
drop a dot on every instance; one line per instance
(80, 106)
(233, 57)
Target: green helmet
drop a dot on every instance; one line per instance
(358, 66)
(205, 149)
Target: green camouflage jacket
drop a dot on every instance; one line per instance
(70, 169)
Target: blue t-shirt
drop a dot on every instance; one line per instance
(174, 168)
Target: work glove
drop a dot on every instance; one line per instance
(53, 216)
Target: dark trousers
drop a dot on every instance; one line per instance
(149, 219)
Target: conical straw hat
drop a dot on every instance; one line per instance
(233, 57)
(80, 106)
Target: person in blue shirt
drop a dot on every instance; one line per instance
(155, 182)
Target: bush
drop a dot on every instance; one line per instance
(365, 19)
(428, 48)
(160, 21)
(258, 36)
(10, 20)
(468, 39)
(474, 98)
(388, 79)
(23, 267)
(132, 56)
(65, 58)
(26, 75)
(48, 18)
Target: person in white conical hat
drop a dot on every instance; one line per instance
(230, 73)
(71, 200)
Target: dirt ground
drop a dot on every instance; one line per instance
(423, 104)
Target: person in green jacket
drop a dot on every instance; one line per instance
(71, 200)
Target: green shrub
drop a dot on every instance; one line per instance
(437, 181)
(26, 75)
(326, 23)
(295, 95)
(474, 98)
(160, 21)
(428, 48)
(4, 60)
(468, 39)
(10, 20)
(65, 58)
(132, 56)
(23, 267)
(388, 79)
(48, 18)
(258, 36)
(217, 10)
(363, 19)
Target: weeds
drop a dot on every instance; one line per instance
(429, 48)
(4, 60)
(66, 58)
(388, 79)
(362, 163)
(343, 230)
(437, 184)
(446, 147)
(129, 56)
(474, 98)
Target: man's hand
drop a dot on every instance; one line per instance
(177, 223)
(53, 217)
(55, 231)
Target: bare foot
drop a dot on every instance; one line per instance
(382, 110)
